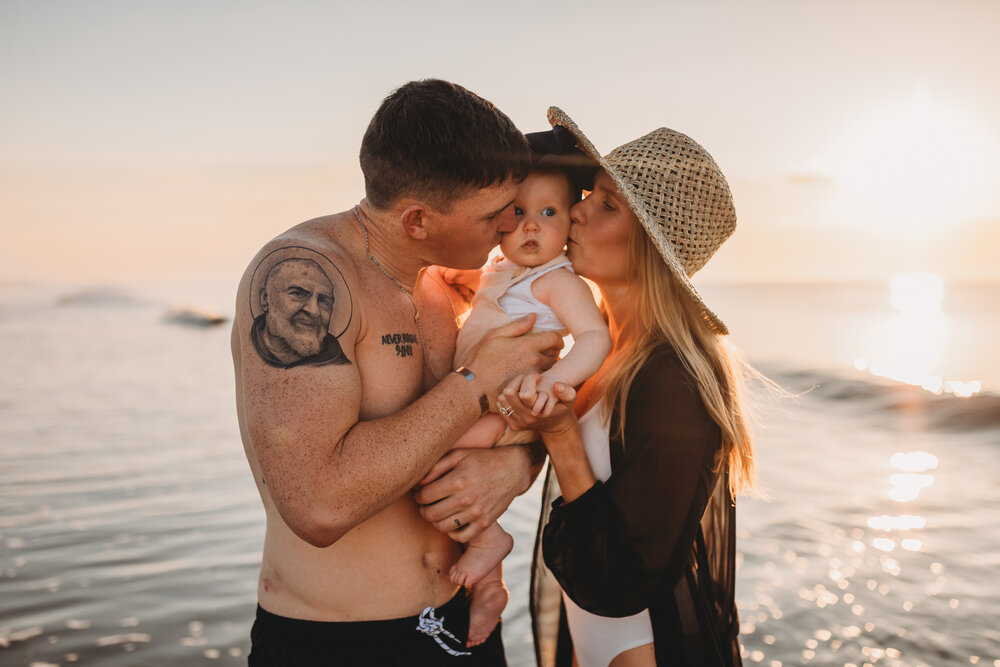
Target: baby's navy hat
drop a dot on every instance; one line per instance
(556, 148)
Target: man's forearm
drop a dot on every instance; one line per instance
(374, 463)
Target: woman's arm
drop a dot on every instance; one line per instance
(559, 431)
(619, 546)
(626, 543)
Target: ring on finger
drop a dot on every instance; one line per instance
(506, 411)
(458, 524)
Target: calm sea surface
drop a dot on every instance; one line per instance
(130, 530)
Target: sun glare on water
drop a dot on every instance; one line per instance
(911, 344)
(903, 530)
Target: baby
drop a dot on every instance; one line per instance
(533, 276)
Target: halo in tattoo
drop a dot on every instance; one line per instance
(343, 309)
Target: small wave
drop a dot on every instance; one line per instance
(878, 395)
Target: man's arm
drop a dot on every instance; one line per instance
(325, 470)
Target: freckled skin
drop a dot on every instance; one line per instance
(336, 582)
(342, 446)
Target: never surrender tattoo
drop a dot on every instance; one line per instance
(296, 296)
(404, 343)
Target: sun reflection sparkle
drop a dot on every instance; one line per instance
(903, 522)
(911, 343)
(914, 461)
(907, 486)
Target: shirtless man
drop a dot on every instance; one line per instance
(351, 572)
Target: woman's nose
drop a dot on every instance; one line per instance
(576, 214)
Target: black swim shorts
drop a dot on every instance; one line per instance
(432, 638)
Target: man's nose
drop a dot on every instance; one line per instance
(508, 221)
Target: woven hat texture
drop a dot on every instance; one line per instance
(678, 194)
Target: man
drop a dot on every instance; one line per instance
(351, 572)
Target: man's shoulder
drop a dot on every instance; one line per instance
(327, 235)
(299, 299)
(323, 241)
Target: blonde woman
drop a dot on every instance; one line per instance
(642, 539)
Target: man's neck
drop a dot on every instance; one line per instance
(387, 245)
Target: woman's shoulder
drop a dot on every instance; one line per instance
(665, 383)
(664, 364)
(665, 398)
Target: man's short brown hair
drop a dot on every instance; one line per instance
(436, 141)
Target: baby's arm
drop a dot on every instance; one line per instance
(571, 300)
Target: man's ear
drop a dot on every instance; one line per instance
(263, 299)
(414, 221)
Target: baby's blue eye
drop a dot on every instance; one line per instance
(518, 211)
(548, 212)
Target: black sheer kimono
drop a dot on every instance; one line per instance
(658, 535)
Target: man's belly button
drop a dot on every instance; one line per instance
(438, 562)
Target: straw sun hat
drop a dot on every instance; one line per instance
(677, 192)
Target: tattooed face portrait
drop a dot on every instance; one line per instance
(297, 300)
(296, 303)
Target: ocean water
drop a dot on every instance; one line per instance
(130, 530)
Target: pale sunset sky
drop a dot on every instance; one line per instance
(144, 142)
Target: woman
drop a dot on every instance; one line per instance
(657, 442)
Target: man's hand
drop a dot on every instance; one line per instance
(510, 350)
(474, 487)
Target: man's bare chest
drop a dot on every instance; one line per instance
(406, 347)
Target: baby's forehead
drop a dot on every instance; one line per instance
(553, 178)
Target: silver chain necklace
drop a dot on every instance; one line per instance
(416, 313)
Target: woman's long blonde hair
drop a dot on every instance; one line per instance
(665, 313)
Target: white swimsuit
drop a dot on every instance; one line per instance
(597, 640)
(519, 300)
(504, 294)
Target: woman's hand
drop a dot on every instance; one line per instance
(525, 408)
(560, 431)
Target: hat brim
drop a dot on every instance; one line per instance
(557, 116)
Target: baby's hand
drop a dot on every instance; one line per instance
(546, 400)
(527, 388)
(536, 390)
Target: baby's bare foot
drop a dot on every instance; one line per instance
(489, 597)
(481, 555)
